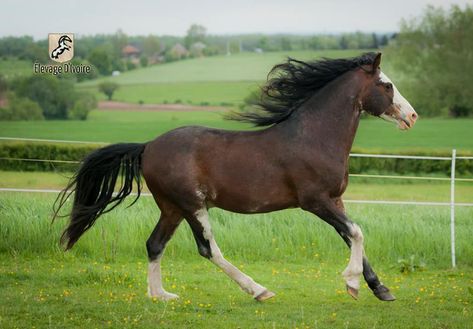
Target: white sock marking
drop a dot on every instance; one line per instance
(155, 284)
(355, 265)
(246, 283)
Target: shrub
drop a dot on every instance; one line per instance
(54, 96)
(108, 88)
(458, 111)
(143, 61)
(21, 109)
(42, 151)
(130, 65)
(84, 103)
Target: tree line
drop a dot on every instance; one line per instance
(433, 56)
(105, 52)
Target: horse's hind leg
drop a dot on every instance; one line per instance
(200, 225)
(162, 233)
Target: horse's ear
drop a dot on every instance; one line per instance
(376, 62)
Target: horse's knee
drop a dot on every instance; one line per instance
(154, 249)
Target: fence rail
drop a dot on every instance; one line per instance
(453, 159)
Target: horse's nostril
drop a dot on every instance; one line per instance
(414, 116)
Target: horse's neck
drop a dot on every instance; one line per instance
(330, 118)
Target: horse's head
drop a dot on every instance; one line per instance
(63, 39)
(381, 98)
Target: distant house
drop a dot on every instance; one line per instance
(178, 51)
(132, 53)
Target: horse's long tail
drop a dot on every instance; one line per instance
(94, 184)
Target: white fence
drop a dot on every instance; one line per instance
(453, 159)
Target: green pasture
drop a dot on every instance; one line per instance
(102, 281)
(226, 93)
(237, 67)
(374, 135)
(11, 68)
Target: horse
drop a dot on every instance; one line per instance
(309, 112)
(62, 46)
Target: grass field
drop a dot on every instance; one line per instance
(373, 135)
(11, 68)
(102, 282)
(238, 67)
(228, 93)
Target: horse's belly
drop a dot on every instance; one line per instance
(253, 199)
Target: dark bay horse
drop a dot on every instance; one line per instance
(311, 111)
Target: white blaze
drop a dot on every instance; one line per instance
(405, 108)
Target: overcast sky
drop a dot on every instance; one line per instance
(173, 17)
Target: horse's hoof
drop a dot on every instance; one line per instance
(382, 292)
(265, 295)
(165, 296)
(352, 292)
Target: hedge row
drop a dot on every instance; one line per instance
(73, 152)
(45, 151)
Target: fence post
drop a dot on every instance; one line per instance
(452, 209)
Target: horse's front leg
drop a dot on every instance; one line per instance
(330, 211)
(371, 278)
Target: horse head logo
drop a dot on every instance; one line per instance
(61, 47)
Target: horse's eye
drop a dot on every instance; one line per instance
(388, 86)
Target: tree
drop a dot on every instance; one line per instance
(3, 86)
(433, 54)
(343, 42)
(101, 59)
(286, 44)
(263, 43)
(84, 103)
(20, 108)
(54, 96)
(375, 43)
(108, 88)
(119, 40)
(143, 61)
(195, 34)
(151, 45)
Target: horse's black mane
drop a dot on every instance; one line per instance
(293, 83)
